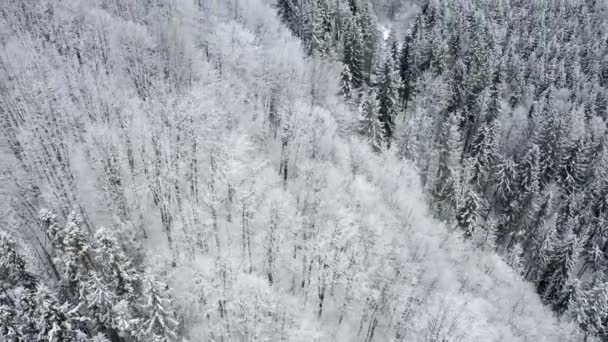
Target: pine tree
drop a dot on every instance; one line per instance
(100, 301)
(484, 153)
(286, 10)
(448, 178)
(590, 307)
(406, 90)
(114, 265)
(346, 82)
(468, 212)
(485, 237)
(13, 272)
(505, 180)
(73, 257)
(370, 125)
(16, 291)
(514, 257)
(55, 321)
(9, 327)
(561, 260)
(369, 39)
(353, 53)
(321, 28)
(387, 97)
(573, 166)
(158, 323)
(528, 171)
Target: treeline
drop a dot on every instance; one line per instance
(502, 105)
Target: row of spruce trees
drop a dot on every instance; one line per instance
(502, 106)
(91, 291)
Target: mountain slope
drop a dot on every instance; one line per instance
(204, 138)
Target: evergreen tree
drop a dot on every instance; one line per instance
(573, 166)
(100, 301)
(286, 10)
(528, 171)
(158, 323)
(505, 181)
(369, 39)
(56, 321)
(387, 97)
(514, 257)
(353, 53)
(73, 253)
(590, 307)
(346, 82)
(321, 28)
(468, 212)
(114, 265)
(484, 153)
(370, 124)
(405, 73)
(561, 260)
(448, 179)
(13, 272)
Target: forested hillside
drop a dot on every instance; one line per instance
(260, 170)
(502, 107)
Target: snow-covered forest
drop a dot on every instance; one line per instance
(303, 170)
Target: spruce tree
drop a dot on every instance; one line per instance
(484, 153)
(100, 301)
(56, 321)
(346, 82)
(353, 52)
(560, 263)
(158, 323)
(73, 257)
(114, 265)
(405, 73)
(370, 124)
(387, 97)
(13, 272)
(448, 179)
(590, 307)
(468, 212)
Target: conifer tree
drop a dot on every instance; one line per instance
(387, 98)
(370, 124)
(448, 179)
(528, 171)
(590, 307)
(158, 323)
(561, 259)
(405, 72)
(468, 212)
(100, 301)
(353, 52)
(56, 321)
(114, 265)
(484, 153)
(321, 28)
(346, 82)
(13, 272)
(73, 256)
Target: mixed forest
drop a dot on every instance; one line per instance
(303, 170)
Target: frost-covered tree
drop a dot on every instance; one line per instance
(370, 123)
(158, 322)
(558, 270)
(56, 320)
(590, 307)
(468, 213)
(387, 97)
